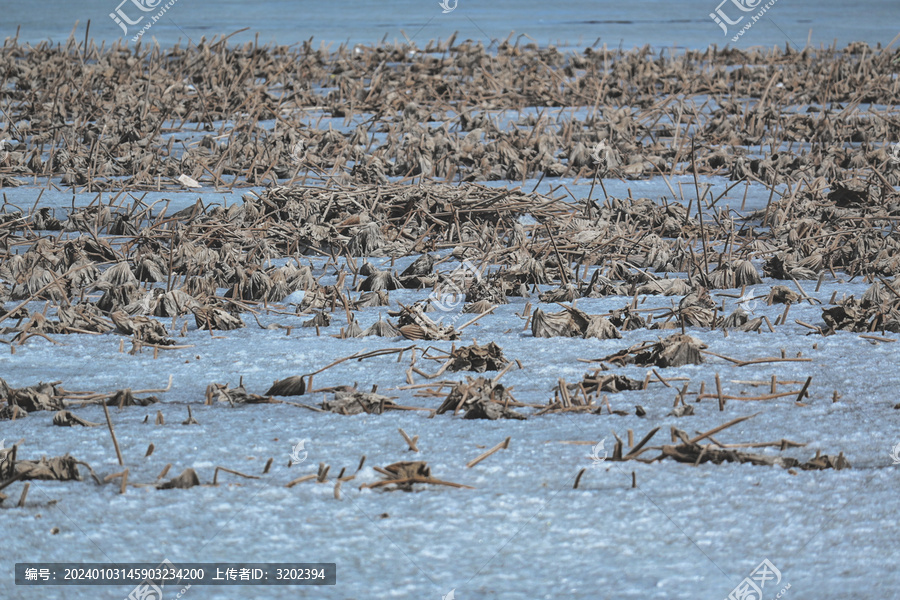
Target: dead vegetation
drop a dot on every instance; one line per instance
(403, 475)
(390, 186)
(691, 451)
(676, 350)
(95, 138)
(480, 398)
(477, 358)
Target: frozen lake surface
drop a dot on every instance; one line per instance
(523, 532)
(577, 24)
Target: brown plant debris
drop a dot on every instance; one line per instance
(674, 351)
(217, 392)
(402, 476)
(480, 398)
(60, 468)
(695, 454)
(418, 191)
(477, 358)
(568, 398)
(572, 323)
(780, 294)
(81, 318)
(190, 419)
(320, 319)
(211, 317)
(627, 319)
(186, 480)
(692, 452)
(352, 402)
(12, 412)
(381, 328)
(126, 398)
(415, 325)
(741, 321)
(65, 418)
(142, 328)
(735, 274)
(43, 396)
(697, 309)
(600, 381)
(294, 385)
(864, 316)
